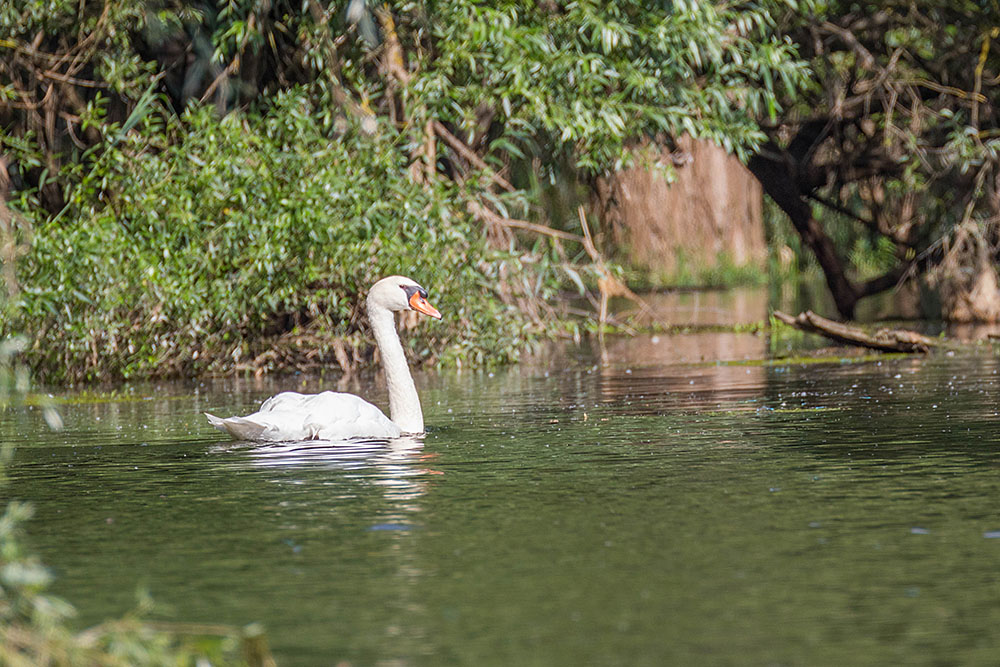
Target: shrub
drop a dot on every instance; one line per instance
(245, 240)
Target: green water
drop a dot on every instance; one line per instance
(565, 514)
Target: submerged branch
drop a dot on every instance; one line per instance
(886, 340)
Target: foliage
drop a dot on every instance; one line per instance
(60, 62)
(721, 273)
(591, 77)
(199, 253)
(175, 237)
(578, 77)
(895, 151)
(35, 630)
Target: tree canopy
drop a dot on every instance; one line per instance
(192, 184)
(898, 137)
(204, 182)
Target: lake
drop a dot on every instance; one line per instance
(666, 500)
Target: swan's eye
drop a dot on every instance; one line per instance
(410, 290)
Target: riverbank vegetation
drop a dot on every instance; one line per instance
(887, 165)
(199, 189)
(196, 188)
(244, 241)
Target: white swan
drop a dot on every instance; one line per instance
(336, 416)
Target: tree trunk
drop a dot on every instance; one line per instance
(711, 212)
(780, 181)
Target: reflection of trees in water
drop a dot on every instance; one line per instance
(683, 387)
(706, 307)
(661, 363)
(637, 375)
(669, 349)
(670, 370)
(968, 332)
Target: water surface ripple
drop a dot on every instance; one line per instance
(583, 513)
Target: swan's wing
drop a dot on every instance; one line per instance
(269, 427)
(286, 400)
(337, 416)
(326, 416)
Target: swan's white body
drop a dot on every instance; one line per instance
(335, 416)
(326, 416)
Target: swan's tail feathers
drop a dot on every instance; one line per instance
(238, 427)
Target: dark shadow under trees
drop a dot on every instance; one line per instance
(899, 136)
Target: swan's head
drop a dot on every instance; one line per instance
(400, 293)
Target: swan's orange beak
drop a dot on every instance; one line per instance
(420, 304)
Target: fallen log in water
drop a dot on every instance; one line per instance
(887, 340)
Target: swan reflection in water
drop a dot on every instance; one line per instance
(398, 466)
(356, 487)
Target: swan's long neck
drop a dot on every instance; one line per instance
(404, 404)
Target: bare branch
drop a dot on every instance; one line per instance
(886, 340)
(470, 155)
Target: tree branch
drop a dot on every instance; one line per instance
(886, 340)
(888, 280)
(470, 155)
(489, 216)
